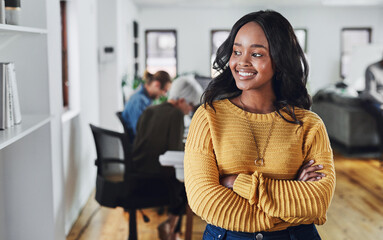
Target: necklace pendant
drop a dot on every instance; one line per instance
(258, 162)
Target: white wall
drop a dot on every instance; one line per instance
(78, 146)
(127, 13)
(56, 103)
(324, 24)
(116, 31)
(92, 24)
(107, 35)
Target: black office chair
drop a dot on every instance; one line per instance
(118, 185)
(127, 131)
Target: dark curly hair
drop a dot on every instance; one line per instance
(291, 68)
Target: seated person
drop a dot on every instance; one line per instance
(374, 82)
(159, 129)
(155, 86)
(373, 96)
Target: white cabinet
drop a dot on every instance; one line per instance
(26, 194)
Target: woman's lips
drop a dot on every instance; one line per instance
(246, 74)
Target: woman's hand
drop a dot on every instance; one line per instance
(228, 180)
(307, 172)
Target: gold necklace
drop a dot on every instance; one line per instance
(259, 161)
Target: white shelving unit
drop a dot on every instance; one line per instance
(26, 192)
(30, 123)
(11, 29)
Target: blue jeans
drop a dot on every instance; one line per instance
(301, 232)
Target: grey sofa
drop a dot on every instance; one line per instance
(351, 129)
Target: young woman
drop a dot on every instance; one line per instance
(156, 85)
(258, 163)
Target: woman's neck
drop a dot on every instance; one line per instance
(257, 102)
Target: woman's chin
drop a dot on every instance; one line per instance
(243, 87)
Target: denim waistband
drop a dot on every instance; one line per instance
(304, 231)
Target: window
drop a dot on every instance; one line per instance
(161, 51)
(217, 38)
(301, 34)
(351, 38)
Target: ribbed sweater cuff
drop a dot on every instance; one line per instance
(246, 186)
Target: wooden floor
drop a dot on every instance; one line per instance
(356, 211)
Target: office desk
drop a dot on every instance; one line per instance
(176, 159)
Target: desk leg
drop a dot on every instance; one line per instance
(189, 223)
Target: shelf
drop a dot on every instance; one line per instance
(6, 29)
(29, 124)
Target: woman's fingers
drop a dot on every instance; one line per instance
(312, 176)
(302, 170)
(308, 172)
(309, 163)
(314, 168)
(313, 179)
(228, 180)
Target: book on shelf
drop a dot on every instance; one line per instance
(12, 12)
(2, 11)
(15, 94)
(10, 113)
(2, 95)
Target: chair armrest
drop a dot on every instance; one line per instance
(148, 176)
(109, 160)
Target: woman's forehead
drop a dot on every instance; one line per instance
(251, 34)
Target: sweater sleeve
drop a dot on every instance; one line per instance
(296, 201)
(213, 202)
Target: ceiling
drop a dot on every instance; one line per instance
(247, 3)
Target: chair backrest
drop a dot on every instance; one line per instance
(113, 152)
(127, 130)
(117, 184)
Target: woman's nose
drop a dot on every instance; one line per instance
(244, 60)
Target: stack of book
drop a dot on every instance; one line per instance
(10, 114)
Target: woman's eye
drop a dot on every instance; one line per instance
(257, 55)
(236, 53)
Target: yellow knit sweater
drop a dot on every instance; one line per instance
(265, 198)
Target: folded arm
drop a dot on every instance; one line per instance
(291, 200)
(215, 203)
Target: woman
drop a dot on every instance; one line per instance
(249, 157)
(156, 85)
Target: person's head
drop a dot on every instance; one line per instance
(289, 65)
(250, 63)
(185, 93)
(157, 84)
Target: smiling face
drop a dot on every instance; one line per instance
(250, 61)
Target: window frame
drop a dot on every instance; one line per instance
(161, 30)
(368, 29)
(304, 48)
(212, 46)
(64, 54)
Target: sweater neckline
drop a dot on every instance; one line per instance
(253, 116)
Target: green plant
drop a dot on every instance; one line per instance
(137, 81)
(160, 100)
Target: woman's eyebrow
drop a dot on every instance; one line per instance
(252, 45)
